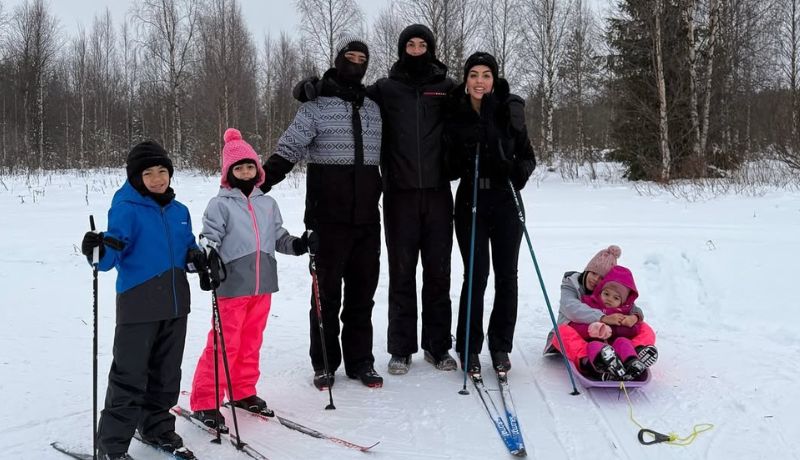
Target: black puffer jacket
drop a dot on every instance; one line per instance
(505, 149)
(413, 112)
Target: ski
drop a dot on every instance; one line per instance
(310, 431)
(491, 409)
(182, 455)
(232, 438)
(511, 413)
(70, 453)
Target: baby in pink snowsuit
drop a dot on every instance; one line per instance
(616, 293)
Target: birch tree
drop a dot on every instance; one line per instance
(169, 30)
(545, 30)
(658, 65)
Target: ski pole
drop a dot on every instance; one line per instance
(218, 439)
(521, 215)
(465, 361)
(218, 325)
(95, 261)
(315, 286)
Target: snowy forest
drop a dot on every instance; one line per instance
(671, 88)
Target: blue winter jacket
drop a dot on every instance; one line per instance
(151, 269)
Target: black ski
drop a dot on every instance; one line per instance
(71, 453)
(311, 432)
(243, 447)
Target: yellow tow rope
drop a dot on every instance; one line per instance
(656, 437)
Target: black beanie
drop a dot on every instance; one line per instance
(145, 155)
(416, 31)
(481, 58)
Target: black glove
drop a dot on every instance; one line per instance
(196, 261)
(309, 242)
(90, 241)
(216, 269)
(307, 89)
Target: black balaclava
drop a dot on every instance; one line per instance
(349, 73)
(415, 65)
(246, 186)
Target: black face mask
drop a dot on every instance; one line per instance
(349, 73)
(246, 186)
(415, 65)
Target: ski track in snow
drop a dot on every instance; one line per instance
(715, 280)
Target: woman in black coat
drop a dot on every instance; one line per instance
(485, 119)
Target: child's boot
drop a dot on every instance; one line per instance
(254, 404)
(606, 360)
(648, 354)
(634, 368)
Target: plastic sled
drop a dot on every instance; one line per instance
(589, 382)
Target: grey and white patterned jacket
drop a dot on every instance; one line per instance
(343, 183)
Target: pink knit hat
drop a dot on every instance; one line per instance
(602, 262)
(236, 150)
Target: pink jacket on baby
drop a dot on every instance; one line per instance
(623, 276)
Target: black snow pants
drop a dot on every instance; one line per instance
(419, 222)
(497, 226)
(144, 382)
(348, 254)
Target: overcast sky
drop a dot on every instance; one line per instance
(262, 16)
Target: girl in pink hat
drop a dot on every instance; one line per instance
(243, 229)
(573, 307)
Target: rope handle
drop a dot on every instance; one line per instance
(657, 438)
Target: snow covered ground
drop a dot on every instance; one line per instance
(715, 277)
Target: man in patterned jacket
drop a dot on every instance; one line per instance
(339, 135)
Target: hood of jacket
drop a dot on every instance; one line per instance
(623, 276)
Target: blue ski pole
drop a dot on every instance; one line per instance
(521, 215)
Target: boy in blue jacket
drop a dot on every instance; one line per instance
(150, 242)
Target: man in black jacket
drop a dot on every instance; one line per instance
(417, 202)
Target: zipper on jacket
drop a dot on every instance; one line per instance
(171, 260)
(419, 146)
(258, 243)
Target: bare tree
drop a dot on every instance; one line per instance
(544, 31)
(688, 8)
(79, 81)
(383, 41)
(501, 33)
(169, 29)
(658, 66)
(713, 31)
(32, 43)
(325, 21)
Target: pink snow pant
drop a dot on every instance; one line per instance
(577, 347)
(622, 347)
(243, 322)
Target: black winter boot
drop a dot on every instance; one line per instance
(648, 354)
(368, 377)
(322, 380)
(500, 361)
(171, 443)
(254, 404)
(211, 418)
(473, 365)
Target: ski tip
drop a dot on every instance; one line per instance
(521, 452)
(367, 448)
